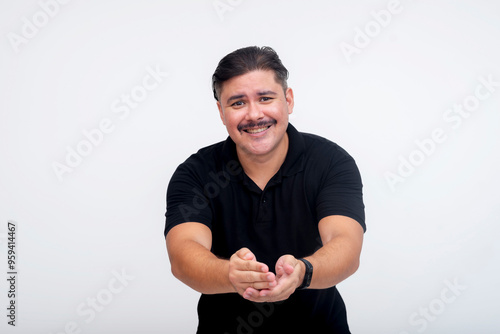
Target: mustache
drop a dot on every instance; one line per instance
(250, 125)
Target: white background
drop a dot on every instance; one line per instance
(437, 227)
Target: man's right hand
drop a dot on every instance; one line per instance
(245, 272)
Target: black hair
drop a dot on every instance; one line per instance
(245, 60)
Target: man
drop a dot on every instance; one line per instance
(267, 222)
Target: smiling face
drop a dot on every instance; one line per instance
(255, 110)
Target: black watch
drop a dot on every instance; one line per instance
(307, 276)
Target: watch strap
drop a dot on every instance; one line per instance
(307, 276)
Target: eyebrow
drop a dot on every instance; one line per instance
(235, 97)
(267, 92)
(262, 93)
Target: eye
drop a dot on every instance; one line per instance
(266, 99)
(237, 104)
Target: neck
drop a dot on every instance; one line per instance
(261, 168)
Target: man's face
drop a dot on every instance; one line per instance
(255, 110)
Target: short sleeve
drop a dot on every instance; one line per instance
(341, 191)
(186, 201)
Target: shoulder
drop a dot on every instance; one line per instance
(199, 164)
(205, 157)
(325, 162)
(323, 149)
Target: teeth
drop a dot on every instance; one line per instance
(257, 130)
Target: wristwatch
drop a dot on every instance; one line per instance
(307, 276)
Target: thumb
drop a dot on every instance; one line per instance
(286, 264)
(288, 268)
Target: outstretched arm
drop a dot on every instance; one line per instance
(193, 263)
(338, 259)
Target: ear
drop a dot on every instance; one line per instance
(221, 113)
(289, 99)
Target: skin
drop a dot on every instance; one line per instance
(256, 101)
(249, 103)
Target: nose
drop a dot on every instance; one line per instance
(254, 112)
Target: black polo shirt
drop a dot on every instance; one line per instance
(317, 179)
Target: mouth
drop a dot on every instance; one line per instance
(257, 130)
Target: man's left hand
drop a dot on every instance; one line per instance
(289, 276)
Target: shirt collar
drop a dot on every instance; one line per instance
(294, 161)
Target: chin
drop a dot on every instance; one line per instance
(260, 149)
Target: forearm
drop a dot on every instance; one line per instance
(334, 262)
(200, 269)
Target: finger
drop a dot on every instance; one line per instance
(252, 277)
(284, 283)
(266, 295)
(246, 254)
(239, 262)
(251, 293)
(261, 285)
(264, 285)
(282, 291)
(255, 295)
(252, 266)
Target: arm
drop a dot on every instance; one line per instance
(193, 263)
(338, 259)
